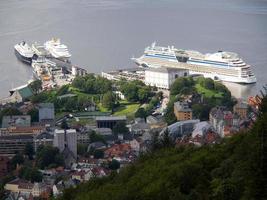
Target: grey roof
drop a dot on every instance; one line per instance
(152, 120)
(110, 118)
(241, 105)
(16, 120)
(201, 128)
(182, 106)
(44, 135)
(16, 137)
(46, 105)
(97, 145)
(138, 126)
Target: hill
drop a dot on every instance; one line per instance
(234, 169)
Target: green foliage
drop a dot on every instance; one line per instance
(120, 128)
(182, 86)
(114, 164)
(108, 100)
(82, 149)
(36, 86)
(98, 153)
(18, 159)
(48, 156)
(63, 90)
(234, 169)
(34, 113)
(135, 91)
(201, 111)
(30, 174)
(95, 137)
(92, 85)
(141, 113)
(29, 150)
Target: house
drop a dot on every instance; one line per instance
(16, 121)
(182, 111)
(117, 150)
(20, 94)
(97, 145)
(19, 186)
(139, 128)
(241, 109)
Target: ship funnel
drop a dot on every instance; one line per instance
(153, 44)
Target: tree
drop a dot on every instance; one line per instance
(141, 113)
(144, 94)
(63, 90)
(47, 156)
(114, 164)
(30, 174)
(182, 86)
(166, 140)
(120, 128)
(98, 154)
(29, 151)
(16, 160)
(82, 149)
(36, 86)
(64, 124)
(34, 113)
(108, 100)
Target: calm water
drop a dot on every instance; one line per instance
(105, 34)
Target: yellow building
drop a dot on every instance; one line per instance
(182, 111)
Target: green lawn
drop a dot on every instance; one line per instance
(126, 108)
(207, 93)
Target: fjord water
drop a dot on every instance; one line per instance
(105, 34)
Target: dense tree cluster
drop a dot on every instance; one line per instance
(92, 84)
(30, 174)
(48, 157)
(234, 169)
(136, 91)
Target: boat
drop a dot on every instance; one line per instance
(24, 52)
(56, 49)
(220, 66)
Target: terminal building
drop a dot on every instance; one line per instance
(109, 121)
(163, 77)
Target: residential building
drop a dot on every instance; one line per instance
(83, 138)
(182, 111)
(16, 121)
(139, 128)
(46, 112)
(43, 138)
(163, 77)
(32, 130)
(9, 145)
(19, 94)
(241, 109)
(109, 121)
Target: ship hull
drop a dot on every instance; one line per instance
(26, 60)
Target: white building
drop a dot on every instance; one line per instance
(66, 139)
(163, 77)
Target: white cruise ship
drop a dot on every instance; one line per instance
(24, 52)
(56, 49)
(224, 66)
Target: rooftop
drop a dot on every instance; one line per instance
(111, 118)
(182, 106)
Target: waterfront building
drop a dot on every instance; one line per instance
(16, 121)
(18, 95)
(182, 111)
(163, 77)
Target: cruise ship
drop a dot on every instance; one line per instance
(56, 49)
(24, 52)
(223, 66)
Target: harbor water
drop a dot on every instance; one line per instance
(104, 34)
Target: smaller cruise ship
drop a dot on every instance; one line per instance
(56, 49)
(24, 52)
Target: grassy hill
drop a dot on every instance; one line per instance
(234, 169)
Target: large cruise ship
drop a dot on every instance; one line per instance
(56, 49)
(224, 66)
(24, 52)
